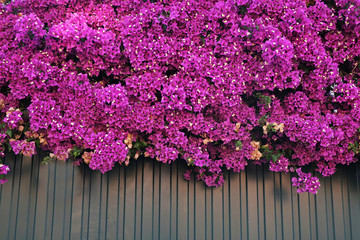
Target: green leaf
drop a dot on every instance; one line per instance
(270, 128)
(143, 144)
(9, 148)
(46, 27)
(46, 160)
(9, 132)
(262, 120)
(76, 152)
(242, 10)
(354, 147)
(270, 154)
(203, 39)
(31, 34)
(137, 145)
(15, 11)
(238, 144)
(37, 142)
(276, 156)
(265, 100)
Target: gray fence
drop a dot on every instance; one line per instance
(149, 200)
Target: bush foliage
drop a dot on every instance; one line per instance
(218, 84)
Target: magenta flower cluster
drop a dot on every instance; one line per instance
(305, 183)
(3, 171)
(218, 84)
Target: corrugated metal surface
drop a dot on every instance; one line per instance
(149, 200)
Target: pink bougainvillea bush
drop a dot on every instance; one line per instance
(218, 84)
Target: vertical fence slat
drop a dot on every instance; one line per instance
(252, 204)
(234, 208)
(183, 207)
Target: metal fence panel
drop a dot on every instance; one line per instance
(149, 200)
